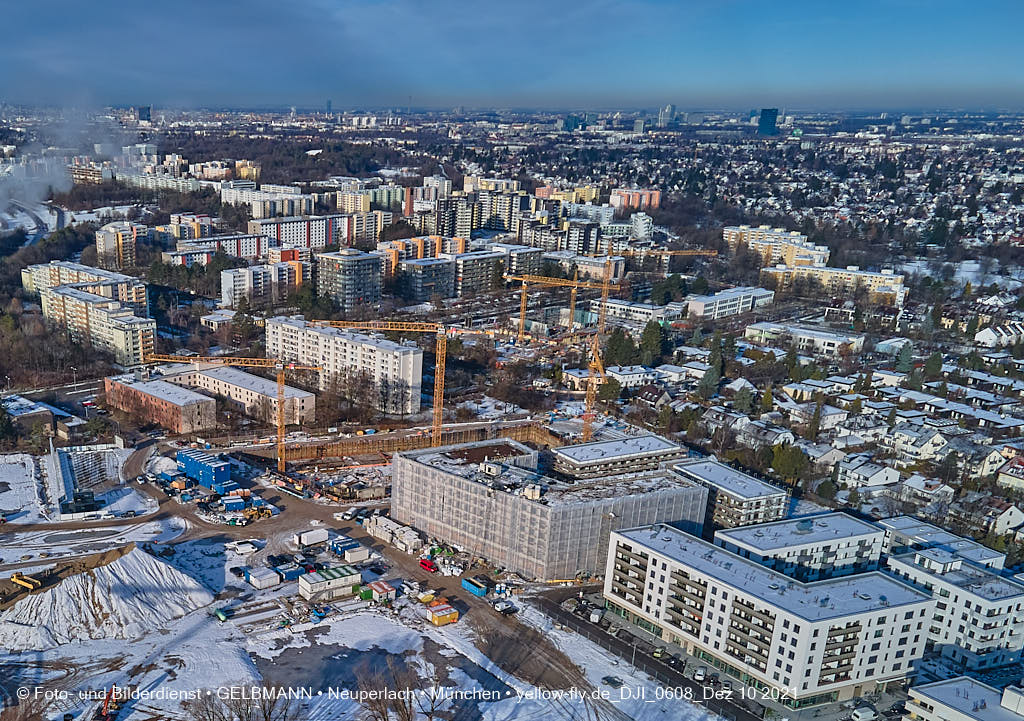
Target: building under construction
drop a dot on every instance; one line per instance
(490, 499)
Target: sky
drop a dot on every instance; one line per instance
(697, 54)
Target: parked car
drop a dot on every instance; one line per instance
(700, 675)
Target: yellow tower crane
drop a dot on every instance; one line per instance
(278, 365)
(441, 348)
(526, 280)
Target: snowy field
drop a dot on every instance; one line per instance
(490, 409)
(21, 490)
(118, 501)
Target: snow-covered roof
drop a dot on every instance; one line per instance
(806, 531)
(726, 479)
(816, 601)
(604, 451)
(969, 698)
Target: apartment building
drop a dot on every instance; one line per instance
(101, 322)
(177, 409)
(735, 498)
(904, 534)
(633, 313)
(261, 285)
(809, 642)
(497, 209)
(964, 699)
(251, 394)
(807, 340)
(313, 231)
(808, 549)
(978, 621)
(396, 369)
(490, 499)
(473, 183)
(245, 193)
(115, 244)
(727, 303)
(776, 245)
(350, 277)
(430, 246)
(519, 259)
(477, 271)
(125, 289)
(455, 217)
(421, 279)
(607, 458)
(881, 287)
(634, 199)
(245, 246)
(589, 267)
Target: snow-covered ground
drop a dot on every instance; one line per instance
(970, 271)
(125, 498)
(490, 409)
(20, 489)
(46, 546)
(124, 599)
(161, 464)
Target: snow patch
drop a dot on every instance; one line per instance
(125, 599)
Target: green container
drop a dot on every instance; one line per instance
(366, 593)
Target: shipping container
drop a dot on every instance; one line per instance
(224, 488)
(474, 587)
(290, 571)
(203, 467)
(310, 538)
(233, 503)
(443, 615)
(262, 577)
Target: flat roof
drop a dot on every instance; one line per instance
(968, 696)
(815, 601)
(925, 534)
(361, 338)
(617, 449)
(799, 531)
(254, 383)
(727, 479)
(975, 580)
(177, 395)
(508, 471)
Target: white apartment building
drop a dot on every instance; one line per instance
(728, 302)
(906, 533)
(964, 699)
(126, 289)
(116, 242)
(247, 246)
(313, 231)
(628, 312)
(978, 620)
(808, 340)
(395, 368)
(253, 395)
(808, 549)
(735, 498)
(813, 643)
(262, 284)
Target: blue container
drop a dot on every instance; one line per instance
(203, 467)
(473, 587)
(224, 488)
(168, 476)
(233, 503)
(290, 573)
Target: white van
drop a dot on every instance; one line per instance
(864, 713)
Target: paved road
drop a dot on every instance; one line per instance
(662, 672)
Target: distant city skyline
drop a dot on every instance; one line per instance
(636, 53)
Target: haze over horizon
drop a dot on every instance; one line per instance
(732, 55)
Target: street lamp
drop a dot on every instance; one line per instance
(74, 376)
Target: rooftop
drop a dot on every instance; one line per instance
(163, 390)
(799, 532)
(254, 383)
(510, 467)
(972, 698)
(299, 323)
(925, 534)
(617, 449)
(816, 601)
(724, 478)
(950, 568)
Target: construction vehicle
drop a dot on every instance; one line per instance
(278, 365)
(29, 582)
(110, 707)
(575, 284)
(254, 513)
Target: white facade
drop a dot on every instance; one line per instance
(817, 642)
(728, 302)
(978, 621)
(255, 395)
(395, 368)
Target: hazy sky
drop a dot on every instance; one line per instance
(554, 53)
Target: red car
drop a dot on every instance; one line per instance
(427, 565)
